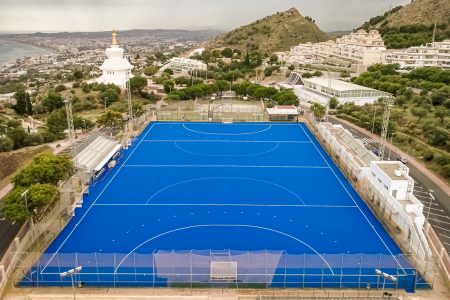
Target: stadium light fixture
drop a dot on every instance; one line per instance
(385, 276)
(71, 273)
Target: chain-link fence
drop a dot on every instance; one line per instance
(241, 269)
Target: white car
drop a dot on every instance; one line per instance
(402, 159)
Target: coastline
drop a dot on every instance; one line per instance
(21, 49)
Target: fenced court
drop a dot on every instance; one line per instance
(212, 204)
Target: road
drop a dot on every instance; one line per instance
(8, 230)
(435, 200)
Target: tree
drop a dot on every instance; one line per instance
(45, 168)
(18, 136)
(138, 110)
(85, 88)
(14, 207)
(318, 110)
(41, 196)
(151, 70)
(109, 96)
(112, 119)
(441, 112)
(168, 85)
(438, 137)
(333, 103)
(227, 52)
(57, 123)
(273, 59)
(168, 71)
(29, 106)
(78, 74)
(21, 102)
(137, 83)
(52, 101)
(6, 144)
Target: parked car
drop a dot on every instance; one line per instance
(402, 159)
(376, 152)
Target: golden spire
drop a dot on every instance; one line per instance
(114, 39)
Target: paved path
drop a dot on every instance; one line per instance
(8, 230)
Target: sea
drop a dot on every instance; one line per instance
(11, 50)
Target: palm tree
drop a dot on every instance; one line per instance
(318, 110)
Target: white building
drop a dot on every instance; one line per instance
(357, 50)
(388, 184)
(320, 90)
(435, 54)
(116, 69)
(179, 64)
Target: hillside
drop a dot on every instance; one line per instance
(424, 12)
(413, 24)
(278, 32)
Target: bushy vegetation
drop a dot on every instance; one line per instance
(420, 118)
(40, 178)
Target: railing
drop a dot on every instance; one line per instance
(206, 268)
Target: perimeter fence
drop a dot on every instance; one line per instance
(242, 269)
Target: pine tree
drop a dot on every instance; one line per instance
(29, 106)
(21, 103)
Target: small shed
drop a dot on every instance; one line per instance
(282, 113)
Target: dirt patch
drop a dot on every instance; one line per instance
(12, 162)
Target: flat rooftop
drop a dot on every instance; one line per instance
(389, 169)
(337, 84)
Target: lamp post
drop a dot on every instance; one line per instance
(71, 273)
(385, 276)
(24, 196)
(373, 123)
(392, 136)
(105, 99)
(429, 207)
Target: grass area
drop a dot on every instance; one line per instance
(14, 161)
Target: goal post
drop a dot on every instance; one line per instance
(223, 271)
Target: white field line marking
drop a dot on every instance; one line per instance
(223, 166)
(367, 219)
(90, 207)
(225, 141)
(233, 124)
(226, 178)
(225, 204)
(228, 134)
(223, 225)
(228, 155)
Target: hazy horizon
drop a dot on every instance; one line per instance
(103, 15)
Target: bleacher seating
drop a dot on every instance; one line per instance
(94, 153)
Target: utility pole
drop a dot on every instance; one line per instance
(388, 103)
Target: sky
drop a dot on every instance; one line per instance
(102, 15)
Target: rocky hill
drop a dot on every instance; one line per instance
(413, 24)
(424, 12)
(277, 32)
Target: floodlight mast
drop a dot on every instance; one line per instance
(388, 103)
(385, 276)
(70, 127)
(71, 273)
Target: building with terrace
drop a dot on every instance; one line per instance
(357, 50)
(435, 54)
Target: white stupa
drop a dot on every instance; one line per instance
(116, 69)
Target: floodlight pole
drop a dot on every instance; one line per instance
(429, 207)
(24, 196)
(71, 273)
